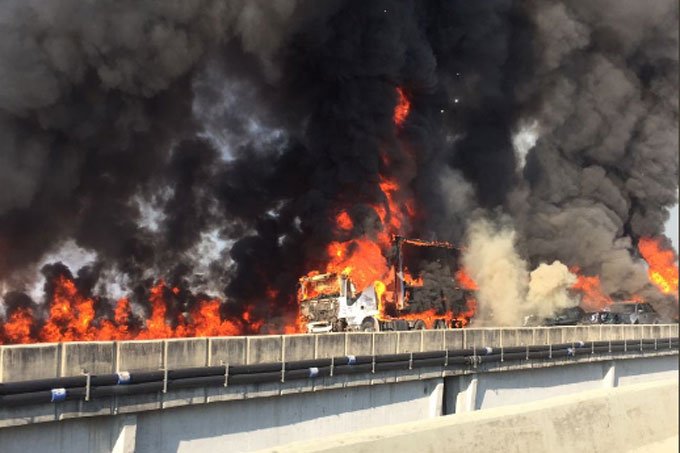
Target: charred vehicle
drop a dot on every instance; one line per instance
(565, 317)
(601, 317)
(633, 312)
(330, 302)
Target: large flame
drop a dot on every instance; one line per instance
(663, 266)
(73, 317)
(593, 298)
(364, 258)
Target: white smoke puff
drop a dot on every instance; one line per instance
(114, 283)
(501, 274)
(523, 140)
(549, 290)
(209, 259)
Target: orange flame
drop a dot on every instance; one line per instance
(156, 325)
(72, 317)
(344, 221)
(362, 258)
(663, 268)
(18, 327)
(411, 281)
(465, 281)
(118, 329)
(463, 318)
(71, 314)
(593, 297)
(402, 109)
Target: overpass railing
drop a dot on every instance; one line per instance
(87, 386)
(56, 360)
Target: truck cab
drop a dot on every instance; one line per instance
(329, 303)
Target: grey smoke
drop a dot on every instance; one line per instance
(604, 169)
(93, 95)
(255, 121)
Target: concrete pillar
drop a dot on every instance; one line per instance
(127, 436)
(609, 378)
(436, 408)
(466, 401)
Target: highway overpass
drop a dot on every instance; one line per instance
(250, 393)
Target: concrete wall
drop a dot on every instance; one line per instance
(605, 420)
(521, 386)
(235, 425)
(23, 362)
(274, 421)
(238, 421)
(514, 385)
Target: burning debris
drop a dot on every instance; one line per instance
(209, 154)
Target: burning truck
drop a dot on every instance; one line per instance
(330, 302)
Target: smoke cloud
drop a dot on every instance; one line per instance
(492, 261)
(603, 172)
(549, 286)
(213, 143)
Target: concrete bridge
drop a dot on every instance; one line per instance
(483, 369)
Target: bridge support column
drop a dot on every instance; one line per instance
(466, 401)
(609, 379)
(126, 441)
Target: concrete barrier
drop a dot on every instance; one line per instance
(383, 343)
(359, 343)
(524, 337)
(67, 359)
(34, 361)
(265, 349)
(618, 419)
(493, 337)
(97, 357)
(410, 341)
(185, 353)
(139, 355)
(330, 345)
(299, 347)
(541, 335)
(433, 340)
(473, 338)
(231, 350)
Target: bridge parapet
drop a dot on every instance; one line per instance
(49, 360)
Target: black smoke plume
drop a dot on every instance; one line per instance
(212, 143)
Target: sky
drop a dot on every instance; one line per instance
(671, 227)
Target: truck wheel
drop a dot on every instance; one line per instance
(440, 324)
(419, 325)
(368, 325)
(400, 324)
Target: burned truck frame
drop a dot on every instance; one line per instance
(329, 302)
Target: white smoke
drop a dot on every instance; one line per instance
(549, 289)
(501, 274)
(508, 292)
